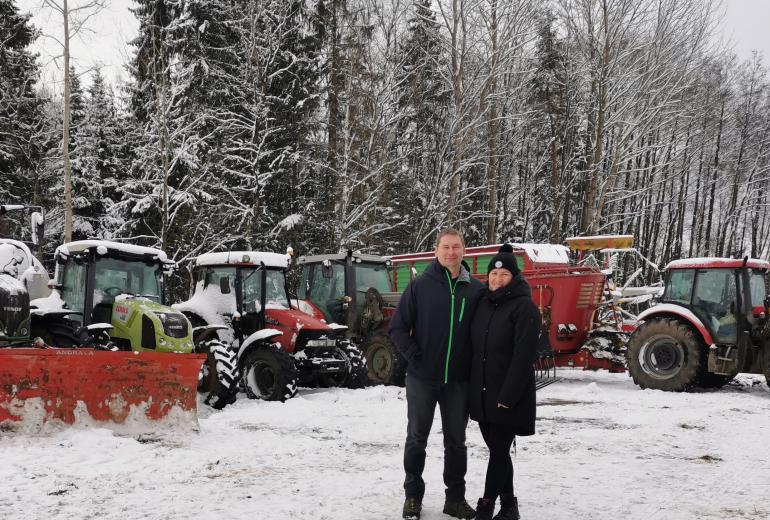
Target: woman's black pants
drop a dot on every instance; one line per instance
(498, 438)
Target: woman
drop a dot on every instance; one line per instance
(504, 333)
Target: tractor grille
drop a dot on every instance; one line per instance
(14, 309)
(148, 333)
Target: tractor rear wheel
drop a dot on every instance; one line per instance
(665, 354)
(386, 366)
(219, 374)
(269, 374)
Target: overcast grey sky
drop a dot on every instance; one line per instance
(746, 26)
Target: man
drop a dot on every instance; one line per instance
(431, 329)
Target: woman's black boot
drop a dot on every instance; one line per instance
(509, 508)
(485, 509)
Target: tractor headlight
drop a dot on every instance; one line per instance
(174, 324)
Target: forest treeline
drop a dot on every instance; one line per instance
(371, 124)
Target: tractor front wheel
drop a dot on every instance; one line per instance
(386, 366)
(355, 375)
(269, 374)
(218, 377)
(665, 354)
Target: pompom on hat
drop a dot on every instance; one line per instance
(504, 259)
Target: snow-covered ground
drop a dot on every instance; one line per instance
(604, 450)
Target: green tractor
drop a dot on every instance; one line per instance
(111, 295)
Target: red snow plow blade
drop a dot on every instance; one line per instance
(40, 386)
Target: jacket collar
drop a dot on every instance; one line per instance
(438, 271)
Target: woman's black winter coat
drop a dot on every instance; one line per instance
(504, 335)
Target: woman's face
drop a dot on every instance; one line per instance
(499, 278)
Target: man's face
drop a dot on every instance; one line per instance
(450, 252)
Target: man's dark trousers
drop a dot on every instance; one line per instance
(421, 398)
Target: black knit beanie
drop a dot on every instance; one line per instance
(504, 259)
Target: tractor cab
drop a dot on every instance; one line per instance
(116, 284)
(341, 288)
(710, 290)
(711, 324)
(239, 287)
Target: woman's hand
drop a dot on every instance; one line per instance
(501, 405)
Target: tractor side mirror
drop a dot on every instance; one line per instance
(326, 269)
(224, 285)
(38, 228)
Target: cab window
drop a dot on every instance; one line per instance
(679, 286)
(758, 288)
(73, 288)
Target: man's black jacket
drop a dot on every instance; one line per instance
(431, 326)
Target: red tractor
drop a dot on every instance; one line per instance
(274, 345)
(712, 323)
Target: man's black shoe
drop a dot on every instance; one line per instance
(412, 508)
(459, 509)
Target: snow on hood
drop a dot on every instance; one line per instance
(16, 257)
(11, 285)
(52, 303)
(244, 258)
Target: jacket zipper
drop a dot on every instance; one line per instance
(452, 289)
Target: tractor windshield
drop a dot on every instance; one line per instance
(116, 276)
(714, 300)
(372, 275)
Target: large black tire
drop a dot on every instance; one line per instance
(665, 354)
(385, 365)
(268, 373)
(219, 375)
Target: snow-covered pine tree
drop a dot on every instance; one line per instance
(96, 162)
(423, 97)
(270, 187)
(20, 107)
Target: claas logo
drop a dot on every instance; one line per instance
(121, 309)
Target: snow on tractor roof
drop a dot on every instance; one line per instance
(122, 247)
(254, 258)
(718, 263)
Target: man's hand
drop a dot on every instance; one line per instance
(501, 405)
